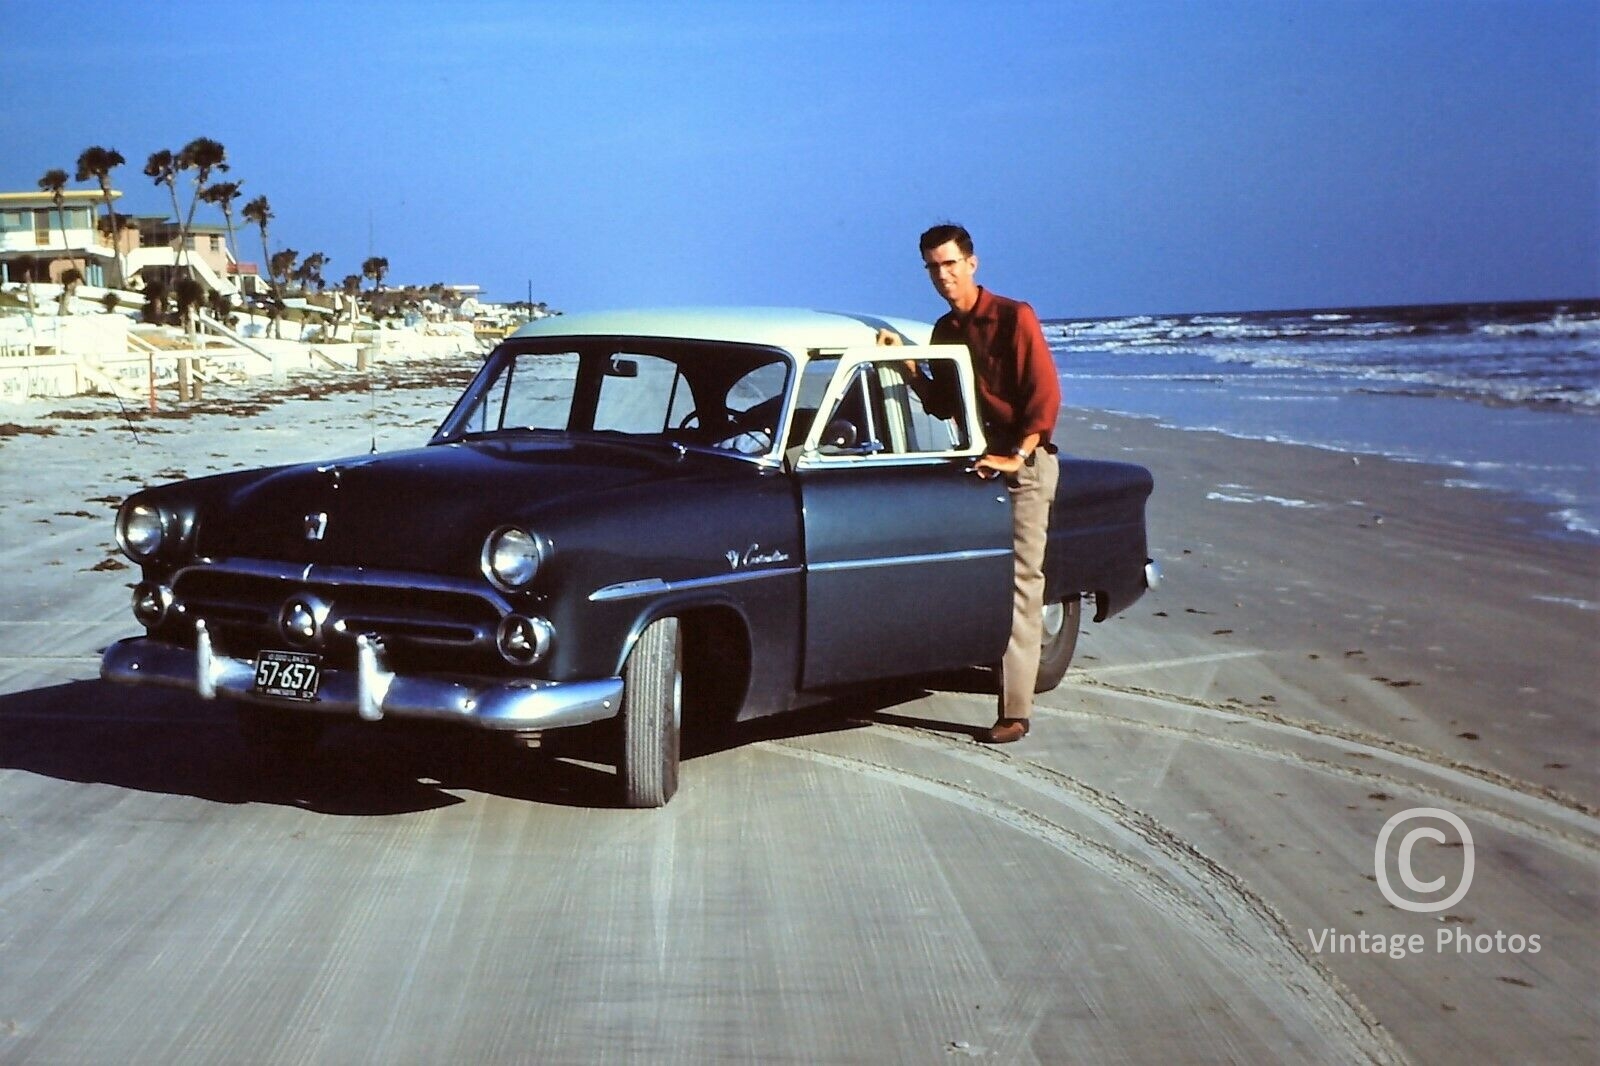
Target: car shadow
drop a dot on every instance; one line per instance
(168, 741)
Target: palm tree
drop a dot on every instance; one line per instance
(189, 295)
(222, 195)
(310, 271)
(201, 155)
(260, 212)
(374, 268)
(281, 268)
(98, 163)
(71, 278)
(162, 169)
(54, 182)
(281, 265)
(25, 266)
(351, 287)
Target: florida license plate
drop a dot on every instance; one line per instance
(289, 675)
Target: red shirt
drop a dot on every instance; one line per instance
(1018, 391)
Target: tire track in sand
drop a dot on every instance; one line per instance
(1240, 928)
(1536, 813)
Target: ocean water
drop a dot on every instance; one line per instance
(1504, 397)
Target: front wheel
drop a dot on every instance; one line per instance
(1060, 641)
(652, 716)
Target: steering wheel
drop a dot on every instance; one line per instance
(752, 431)
(692, 416)
(760, 418)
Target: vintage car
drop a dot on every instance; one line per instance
(689, 515)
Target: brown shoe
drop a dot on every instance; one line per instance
(1005, 731)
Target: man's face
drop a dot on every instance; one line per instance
(952, 272)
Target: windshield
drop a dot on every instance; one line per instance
(725, 398)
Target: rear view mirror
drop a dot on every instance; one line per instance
(622, 368)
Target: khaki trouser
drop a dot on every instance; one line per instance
(1030, 522)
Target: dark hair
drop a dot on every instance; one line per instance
(943, 233)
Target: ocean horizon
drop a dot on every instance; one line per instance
(1504, 396)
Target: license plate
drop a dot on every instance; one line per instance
(289, 675)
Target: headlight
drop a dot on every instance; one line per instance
(511, 557)
(140, 528)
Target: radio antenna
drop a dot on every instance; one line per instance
(126, 417)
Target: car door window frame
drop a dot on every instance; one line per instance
(876, 363)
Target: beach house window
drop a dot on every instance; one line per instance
(41, 226)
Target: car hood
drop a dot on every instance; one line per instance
(428, 509)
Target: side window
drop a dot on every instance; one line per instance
(912, 427)
(753, 404)
(641, 394)
(888, 410)
(762, 384)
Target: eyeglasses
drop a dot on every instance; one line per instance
(945, 264)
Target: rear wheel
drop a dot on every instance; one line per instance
(1059, 642)
(652, 716)
(279, 737)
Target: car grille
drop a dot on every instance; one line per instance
(422, 627)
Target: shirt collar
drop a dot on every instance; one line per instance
(982, 309)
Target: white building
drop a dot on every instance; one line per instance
(32, 228)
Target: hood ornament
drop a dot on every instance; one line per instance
(316, 525)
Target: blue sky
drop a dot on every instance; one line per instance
(1110, 158)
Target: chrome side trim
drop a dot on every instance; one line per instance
(312, 573)
(629, 589)
(911, 560)
(1152, 574)
(652, 586)
(371, 691)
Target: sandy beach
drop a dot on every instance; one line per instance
(1178, 864)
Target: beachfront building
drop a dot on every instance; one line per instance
(163, 246)
(38, 240)
(206, 243)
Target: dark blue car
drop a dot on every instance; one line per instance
(657, 515)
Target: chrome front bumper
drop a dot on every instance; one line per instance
(370, 691)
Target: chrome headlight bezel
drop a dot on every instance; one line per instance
(524, 641)
(142, 529)
(151, 603)
(512, 557)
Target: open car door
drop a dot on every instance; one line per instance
(908, 553)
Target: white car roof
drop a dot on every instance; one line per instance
(796, 330)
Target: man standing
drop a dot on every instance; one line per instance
(1019, 397)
